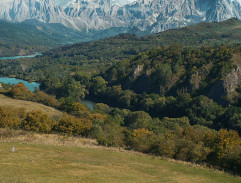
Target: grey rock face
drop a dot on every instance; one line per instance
(42, 10)
(167, 14)
(147, 15)
(232, 80)
(136, 73)
(225, 87)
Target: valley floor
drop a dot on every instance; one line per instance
(54, 158)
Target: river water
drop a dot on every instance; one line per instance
(18, 57)
(33, 85)
(88, 104)
(14, 81)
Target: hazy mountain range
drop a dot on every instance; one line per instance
(145, 15)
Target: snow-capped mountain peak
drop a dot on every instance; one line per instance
(146, 15)
(121, 2)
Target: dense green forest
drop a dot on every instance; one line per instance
(167, 85)
(97, 56)
(175, 94)
(125, 45)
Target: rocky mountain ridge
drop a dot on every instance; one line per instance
(151, 16)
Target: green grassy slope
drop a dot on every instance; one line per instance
(46, 163)
(30, 106)
(22, 38)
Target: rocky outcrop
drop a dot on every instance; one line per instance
(139, 80)
(225, 87)
(195, 82)
(136, 72)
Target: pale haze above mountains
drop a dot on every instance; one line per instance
(145, 15)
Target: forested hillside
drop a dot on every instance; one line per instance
(22, 39)
(175, 94)
(31, 35)
(126, 45)
(173, 70)
(97, 56)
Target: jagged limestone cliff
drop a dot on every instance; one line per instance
(146, 15)
(226, 86)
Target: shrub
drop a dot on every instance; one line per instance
(73, 125)
(37, 121)
(11, 118)
(20, 91)
(142, 140)
(110, 133)
(44, 98)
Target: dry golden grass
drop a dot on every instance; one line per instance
(55, 158)
(8, 135)
(6, 101)
(21, 136)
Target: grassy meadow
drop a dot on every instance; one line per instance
(30, 106)
(54, 158)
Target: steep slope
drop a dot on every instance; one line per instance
(22, 38)
(181, 13)
(202, 34)
(151, 16)
(31, 35)
(30, 106)
(94, 14)
(25, 33)
(42, 10)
